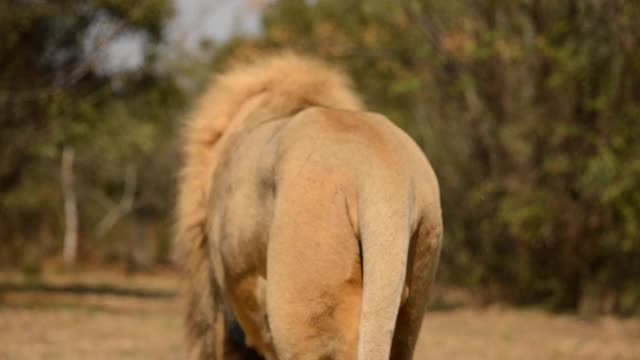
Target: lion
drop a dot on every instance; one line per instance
(309, 227)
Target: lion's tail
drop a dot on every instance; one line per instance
(385, 237)
(288, 83)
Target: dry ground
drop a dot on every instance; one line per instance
(100, 315)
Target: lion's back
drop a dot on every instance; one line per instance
(352, 143)
(317, 147)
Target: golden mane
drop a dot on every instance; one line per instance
(290, 83)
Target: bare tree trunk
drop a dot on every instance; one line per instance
(140, 257)
(70, 209)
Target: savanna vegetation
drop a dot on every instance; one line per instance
(58, 90)
(529, 111)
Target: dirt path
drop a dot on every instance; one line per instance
(49, 324)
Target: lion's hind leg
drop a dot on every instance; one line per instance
(314, 280)
(312, 316)
(421, 266)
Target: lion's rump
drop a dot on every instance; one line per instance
(288, 83)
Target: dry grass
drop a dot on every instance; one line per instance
(49, 324)
(504, 333)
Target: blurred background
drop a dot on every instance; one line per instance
(529, 111)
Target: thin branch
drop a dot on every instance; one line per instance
(427, 25)
(124, 207)
(76, 74)
(89, 62)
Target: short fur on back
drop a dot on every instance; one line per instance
(293, 82)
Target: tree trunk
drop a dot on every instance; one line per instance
(70, 249)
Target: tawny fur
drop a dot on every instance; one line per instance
(295, 82)
(283, 86)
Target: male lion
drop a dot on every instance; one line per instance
(311, 224)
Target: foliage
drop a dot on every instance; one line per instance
(529, 112)
(55, 92)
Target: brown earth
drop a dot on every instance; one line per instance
(102, 315)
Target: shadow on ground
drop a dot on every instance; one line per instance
(83, 289)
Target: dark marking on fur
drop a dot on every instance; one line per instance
(267, 186)
(320, 321)
(330, 356)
